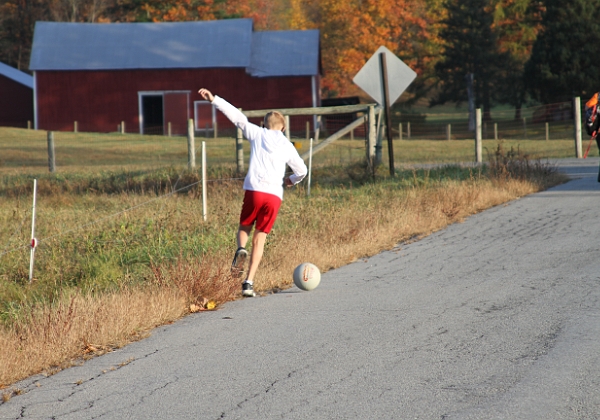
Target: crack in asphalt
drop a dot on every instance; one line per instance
(77, 387)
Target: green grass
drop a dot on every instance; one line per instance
(25, 151)
(110, 211)
(96, 241)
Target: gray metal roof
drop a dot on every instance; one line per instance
(100, 46)
(285, 53)
(16, 75)
(204, 44)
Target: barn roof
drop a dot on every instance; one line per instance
(204, 44)
(16, 75)
(100, 46)
(285, 53)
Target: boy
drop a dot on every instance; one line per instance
(270, 152)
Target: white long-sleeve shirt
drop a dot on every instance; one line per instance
(270, 152)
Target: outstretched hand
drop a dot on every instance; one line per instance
(205, 93)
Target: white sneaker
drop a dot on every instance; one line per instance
(247, 290)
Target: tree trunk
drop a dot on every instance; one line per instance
(518, 112)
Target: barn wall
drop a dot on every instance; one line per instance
(100, 100)
(16, 103)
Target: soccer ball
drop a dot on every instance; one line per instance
(307, 276)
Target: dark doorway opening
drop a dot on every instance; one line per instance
(152, 114)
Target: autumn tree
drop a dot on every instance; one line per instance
(17, 22)
(18, 17)
(351, 31)
(78, 10)
(265, 13)
(469, 47)
(517, 23)
(563, 59)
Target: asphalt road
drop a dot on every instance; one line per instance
(494, 318)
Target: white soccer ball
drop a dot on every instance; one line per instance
(307, 276)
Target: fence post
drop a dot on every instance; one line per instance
(29, 124)
(578, 150)
(307, 130)
(408, 130)
(449, 132)
(191, 145)
(400, 131)
(287, 127)
(169, 129)
(478, 145)
(239, 149)
(51, 160)
(74, 126)
(317, 128)
(371, 137)
(378, 139)
(122, 127)
(547, 131)
(496, 131)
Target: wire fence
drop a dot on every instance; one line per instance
(28, 150)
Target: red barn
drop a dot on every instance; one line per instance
(16, 97)
(148, 74)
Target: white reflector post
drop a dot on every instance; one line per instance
(309, 166)
(204, 180)
(33, 240)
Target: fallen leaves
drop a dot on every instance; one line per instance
(203, 305)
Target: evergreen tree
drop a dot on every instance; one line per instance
(517, 23)
(563, 61)
(469, 48)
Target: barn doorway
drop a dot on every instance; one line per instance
(163, 112)
(152, 114)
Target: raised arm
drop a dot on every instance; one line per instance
(250, 131)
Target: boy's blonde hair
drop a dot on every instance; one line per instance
(273, 119)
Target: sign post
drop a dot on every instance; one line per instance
(385, 77)
(388, 113)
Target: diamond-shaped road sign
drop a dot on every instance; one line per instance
(369, 79)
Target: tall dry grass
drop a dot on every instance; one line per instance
(348, 234)
(51, 337)
(334, 227)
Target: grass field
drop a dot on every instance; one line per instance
(26, 151)
(121, 253)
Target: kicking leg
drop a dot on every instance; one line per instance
(239, 260)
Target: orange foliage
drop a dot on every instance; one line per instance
(265, 13)
(352, 30)
(517, 25)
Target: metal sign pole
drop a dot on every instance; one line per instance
(388, 113)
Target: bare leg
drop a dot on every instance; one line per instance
(258, 246)
(243, 235)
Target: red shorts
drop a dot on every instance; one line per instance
(261, 208)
